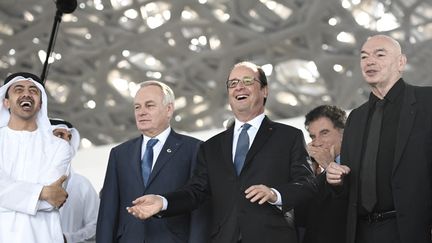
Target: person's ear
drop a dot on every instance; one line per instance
(6, 103)
(402, 63)
(170, 109)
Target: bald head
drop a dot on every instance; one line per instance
(389, 41)
(382, 63)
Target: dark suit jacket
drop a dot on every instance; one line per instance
(412, 165)
(323, 219)
(277, 158)
(124, 183)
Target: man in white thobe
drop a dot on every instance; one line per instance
(33, 164)
(79, 213)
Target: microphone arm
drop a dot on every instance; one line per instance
(52, 39)
(63, 6)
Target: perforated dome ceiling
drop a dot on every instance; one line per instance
(308, 48)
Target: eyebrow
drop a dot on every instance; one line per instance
(17, 85)
(324, 130)
(145, 103)
(22, 86)
(374, 51)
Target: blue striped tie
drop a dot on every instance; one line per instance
(242, 148)
(147, 161)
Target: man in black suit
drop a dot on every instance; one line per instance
(249, 201)
(323, 219)
(138, 167)
(390, 194)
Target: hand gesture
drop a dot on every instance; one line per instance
(146, 206)
(336, 173)
(322, 155)
(260, 193)
(54, 193)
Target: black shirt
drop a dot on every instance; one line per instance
(386, 150)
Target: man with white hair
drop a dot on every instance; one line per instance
(79, 213)
(33, 164)
(159, 160)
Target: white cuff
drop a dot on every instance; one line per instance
(164, 203)
(279, 198)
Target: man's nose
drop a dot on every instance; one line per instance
(317, 142)
(240, 85)
(26, 92)
(370, 61)
(142, 112)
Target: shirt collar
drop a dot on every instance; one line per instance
(392, 94)
(337, 159)
(255, 122)
(162, 137)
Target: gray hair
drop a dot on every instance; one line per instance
(166, 90)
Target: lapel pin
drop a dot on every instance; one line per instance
(169, 150)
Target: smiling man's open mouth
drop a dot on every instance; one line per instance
(241, 97)
(26, 104)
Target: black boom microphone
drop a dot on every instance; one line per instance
(63, 6)
(66, 6)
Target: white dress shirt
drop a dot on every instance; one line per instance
(252, 131)
(157, 148)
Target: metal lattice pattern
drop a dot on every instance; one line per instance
(309, 49)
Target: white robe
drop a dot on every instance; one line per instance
(29, 161)
(79, 213)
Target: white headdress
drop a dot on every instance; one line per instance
(42, 117)
(75, 140)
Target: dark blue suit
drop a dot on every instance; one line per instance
(124, 183)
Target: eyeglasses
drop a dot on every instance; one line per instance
(232, 83)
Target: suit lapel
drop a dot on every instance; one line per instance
(263, 134)
(136, 160)
(406, 121)
(227, 144)
(170, 147)
(358, 138)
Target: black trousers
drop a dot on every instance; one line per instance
(377, 232)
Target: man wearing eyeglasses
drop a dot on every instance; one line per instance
(254, 172)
